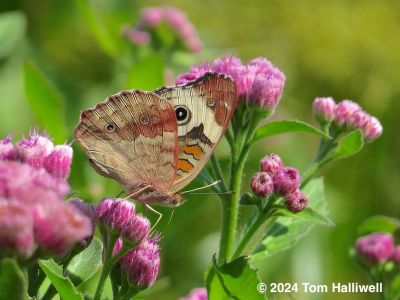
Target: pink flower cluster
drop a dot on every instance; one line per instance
(196, 294)
(377, 248)
(150, 18)
(258, 82)
(283, 181)
(141, 264)
(33, 215)
(347, 115)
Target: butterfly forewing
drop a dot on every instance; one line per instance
(203, 110)
(132, 138)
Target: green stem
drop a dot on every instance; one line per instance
(108, 263)
(218, 172)
(230, 205)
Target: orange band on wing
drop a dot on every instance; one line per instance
(195, 150)
(184, 165)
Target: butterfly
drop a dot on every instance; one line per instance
(155, 143)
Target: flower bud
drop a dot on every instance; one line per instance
(114, 213)
(358, 120)
(271, 163)
(136, 229)
(372, 129)
(396, 255)
(296, 201)
(118, 246)
(7, 149)
(16, 229)
(142, 264)
(262, 184)
(196, 294)
(344, 110)
(58, 162)
(286, 181)
(34, 149)
(151, 16)
(89, 211)
(375, 248)
(324, 109)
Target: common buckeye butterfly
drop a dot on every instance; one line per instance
(155, 143)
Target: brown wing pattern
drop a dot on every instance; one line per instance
(210, 102)
(132, 138)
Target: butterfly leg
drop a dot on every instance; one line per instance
(146, 206)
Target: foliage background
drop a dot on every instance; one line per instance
(344, 49)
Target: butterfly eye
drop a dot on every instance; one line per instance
(211, 103)
(182, 114)
(110, 127)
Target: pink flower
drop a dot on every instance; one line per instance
(286, 181)
(262, 184)
(324, 109)
(16, 229)
(59, 226)
(375, 248)
(271, 163)
(372, 129)
(296, 201)
(33, 186)
(34, 149)
(344, 110)
(7, 149)
(196, 294)
(118, 246)
(58, 162)
(195, 72)
(136, 229)
(151, 18)
(258, 83)
(142, 264)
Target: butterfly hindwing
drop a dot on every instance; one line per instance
(132, 138)
(203, 110)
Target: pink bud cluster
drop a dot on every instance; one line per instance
(141, 264)
(378, 248)
(196, 294)
(33, 215)
(283, 181)
(258, 82)
(347, 115)
(152, 17)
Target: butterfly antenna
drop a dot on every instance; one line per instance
(215, 193)
(146, 206)
(202, 187)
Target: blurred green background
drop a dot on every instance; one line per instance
(344, 49)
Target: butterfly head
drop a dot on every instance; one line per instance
(175, 200)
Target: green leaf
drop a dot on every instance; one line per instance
(12, 281)
(379, 223)
(285, 126)
(286, 232)
(63, 285)
(351, 144)
(84, 265)
(307, 215)
(147, 73)
(99, 31)
(46, 102)
(234, 280)
(12, 30)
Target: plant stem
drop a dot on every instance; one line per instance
(130, 294)
(218, 172)
(108, 263)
